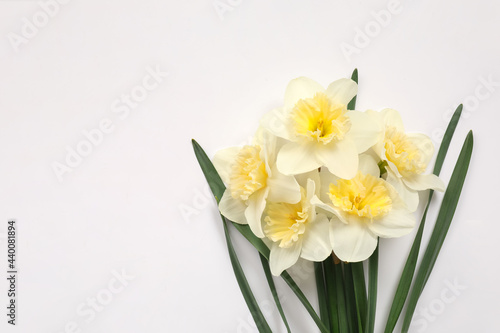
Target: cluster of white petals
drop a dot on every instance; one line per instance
(311, 181)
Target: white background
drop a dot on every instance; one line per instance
(120, 209)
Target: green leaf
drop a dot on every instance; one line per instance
(406, 277)
(300, 295)
(350, 298)
(322, 292)
(331, 287)
(270, 281)
(372, 291)
(358, 275)
(213, 178)
(409, 268)
(252, 304)
(341, 303)
(443, 222)
(218, 188)
(245, 230)
(352, 103)
(445, 143)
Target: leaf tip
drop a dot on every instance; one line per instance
(354, 75)
(195, 144)
(458, 110)
(470, 136)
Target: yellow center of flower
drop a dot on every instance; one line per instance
(318, 119)
(401, 151)
(363, 195)
(248, 173)
(285, 223)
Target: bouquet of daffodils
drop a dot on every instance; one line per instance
(326, 183)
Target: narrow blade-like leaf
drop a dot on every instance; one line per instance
(300, 295)
(445, 143)
(443, 222)
(270, 281)
(213, 178)
(352, 103)
(331, 287)
(322, 293)
(350, 298)
(252, 304)
(372, 291)
(245, 230)
(358, 275)
(341, 303)
(411, 261)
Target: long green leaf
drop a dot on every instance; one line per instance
(300, 295)
(331, 287)
(406, 277)
(322, 292)
(218, 188)
(443, 221)
(341, 303)
(353, 315)
(352, 103)
(252, 304)
(270, 281)
(372, 291)
(358, 274)
(411, 262)
(350, 298)
(213, 178)
(445, 143)
(245, 230)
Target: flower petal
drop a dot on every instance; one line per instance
(283, 188)
(320, 204)
(303, 180)
(365, 131)
(275, 121)
(424, 182)
(316, 244)
(294, 158)
(223, 160)
(283, 258)
(409, 196)
(397, 223)
(351, 242)
(392, 118)
(341, 158)
(233, 209)
(256, 204)
(342, 91)
(424, 144)
(301, 88)
(368, 166)
(326, 178)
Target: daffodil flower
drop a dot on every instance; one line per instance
(364, 208)
(295, 230)
(320, 129)
(407, 156)
(252, 178)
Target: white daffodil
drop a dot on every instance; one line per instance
(364, 208)
(320, 129)
(295, 230)
(407, 156)
(251, 177)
